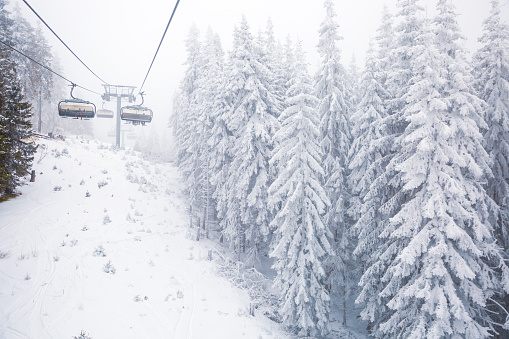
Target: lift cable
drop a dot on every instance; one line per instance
(44, 22)
(155, 55)
(46, 67)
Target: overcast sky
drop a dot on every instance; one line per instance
(118, 38)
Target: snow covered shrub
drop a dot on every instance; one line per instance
(4, 254)
(106, 219)
(22, 256)
(99, 251)
(104, 171)
(109, 268)
(84, 228)
(137, 298)
(132, 178)
(82, 182)
(102, 183)
(180, 294)
(56, 257)
(54, 167)
(129, 218)
(27, 277)
(83, 335)
(65, 151)
(57, 188)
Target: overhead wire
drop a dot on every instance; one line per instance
(46, 67)
(155, 55)
(44, 22)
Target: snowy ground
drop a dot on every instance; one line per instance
(91, 206)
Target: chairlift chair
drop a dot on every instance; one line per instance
(104, 113)
(76, 108)
(136, 114)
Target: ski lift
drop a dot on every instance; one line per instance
(104, 113)
(137, 114)
(76, 108)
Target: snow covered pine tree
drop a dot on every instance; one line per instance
(16, 151)
(302, 239)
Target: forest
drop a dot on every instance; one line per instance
(386, 188)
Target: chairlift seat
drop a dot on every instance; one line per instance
(76, 108)
(136, 114)
(104, 113)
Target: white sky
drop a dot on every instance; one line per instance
(118, 38)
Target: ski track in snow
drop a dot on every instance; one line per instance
(51, 284)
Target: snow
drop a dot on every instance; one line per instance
(53, 286)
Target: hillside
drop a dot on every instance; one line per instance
(98, 244)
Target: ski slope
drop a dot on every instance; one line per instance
(98, 244)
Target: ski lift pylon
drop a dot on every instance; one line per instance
(76, 108)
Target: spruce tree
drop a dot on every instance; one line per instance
(385, 195)
(252, 124)
(492, 85)
(6, 23)
(364, 153)
(334, 93)
(187, 118)
(208, 85)
(302, 238)
(16, 151)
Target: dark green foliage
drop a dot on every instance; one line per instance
(16, 150)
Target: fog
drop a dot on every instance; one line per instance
(117, 39)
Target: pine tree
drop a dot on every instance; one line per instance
(276, 68)
(334, 94)
(208, 85)
(492, 85)
(385, 58)
(41, 79)
(302, 238)
(16, 152)
(249, 119)
(187, 137)
(385, 195)
(364, 154)
(6, 23)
